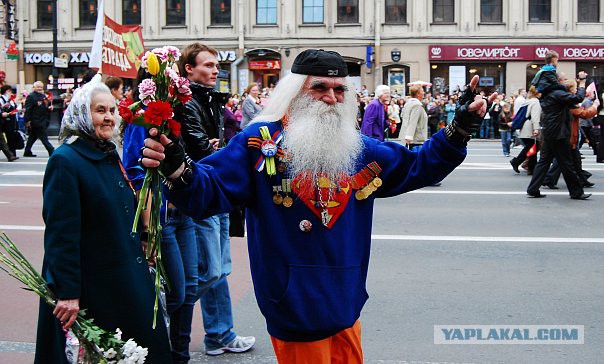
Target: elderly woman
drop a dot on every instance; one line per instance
(91, 260)
(251, 106)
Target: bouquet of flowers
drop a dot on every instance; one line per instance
(159, 95)
(85, 342)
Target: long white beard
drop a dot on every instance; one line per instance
(322, 140)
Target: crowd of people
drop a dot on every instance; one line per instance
(288, 165)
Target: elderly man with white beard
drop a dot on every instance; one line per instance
(309, 179)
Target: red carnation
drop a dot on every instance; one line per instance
(174, 127)
(157, 112)
(184, 98)
(124, 110)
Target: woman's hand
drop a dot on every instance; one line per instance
(67, 311)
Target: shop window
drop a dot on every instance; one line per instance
(348, 11)
(491, 11)
(266, 12)
(447, 78)
(397, 76)
(45, 10)
(221, 12)
(540, 11)
(443, 11)
(312, 11)
(88, 13)
(131, 12)
(175, 12)
(588, 11)
(396, 11)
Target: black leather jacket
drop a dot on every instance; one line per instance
(202, 119)
(555, 112)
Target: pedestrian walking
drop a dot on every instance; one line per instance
(37, 118)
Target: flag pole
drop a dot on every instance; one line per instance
(97, 43)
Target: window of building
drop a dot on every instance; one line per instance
(175, 12)
(312, 11)
(221, 12)
(348, 11)
(540, 11)
(88, 13)
(45, 10)
(491, 11)
(396, 11)
(588, 11)
(266, 12)
(443, 11)
(131, 12)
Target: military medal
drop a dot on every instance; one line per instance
(287, 188)
(325, 217)
(277, 198)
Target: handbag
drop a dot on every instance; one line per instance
(17, 140)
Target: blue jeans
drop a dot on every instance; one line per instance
(506, 139)
(214, 249)
(484, 128)
(179, 255)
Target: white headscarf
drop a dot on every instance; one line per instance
(77, 119)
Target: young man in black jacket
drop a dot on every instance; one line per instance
(555, 122)
(202, 123)
(37, 117)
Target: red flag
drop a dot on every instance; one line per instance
(531, 152)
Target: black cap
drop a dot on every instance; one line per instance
(317, 62)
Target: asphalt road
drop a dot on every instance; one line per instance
(474, 251)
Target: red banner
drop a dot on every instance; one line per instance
(514, 52)
(268, 64)
(122, 49)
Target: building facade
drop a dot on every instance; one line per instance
(393, 42)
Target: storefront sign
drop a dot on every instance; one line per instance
(226, 56)
(513, 53)
(268, 64)
(10, 28)
(74, 57)
(122, 49)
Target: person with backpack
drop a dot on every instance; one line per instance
(527, 120)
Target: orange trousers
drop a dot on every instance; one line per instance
(341, 348)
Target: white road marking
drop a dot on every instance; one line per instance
(509, 239)
(530, 239)
(22, 227)
(35, 185)
(22, 173)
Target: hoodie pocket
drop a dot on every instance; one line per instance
(320, 299)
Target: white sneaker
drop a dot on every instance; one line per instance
(239, 345)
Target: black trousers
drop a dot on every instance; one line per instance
(35, 133)
(553, 175)
(532, 160)
(561, 150)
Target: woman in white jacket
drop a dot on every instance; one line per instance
(530, 132)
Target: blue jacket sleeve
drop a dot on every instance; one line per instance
(404, 170)
(134, 140)
(220, 182)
